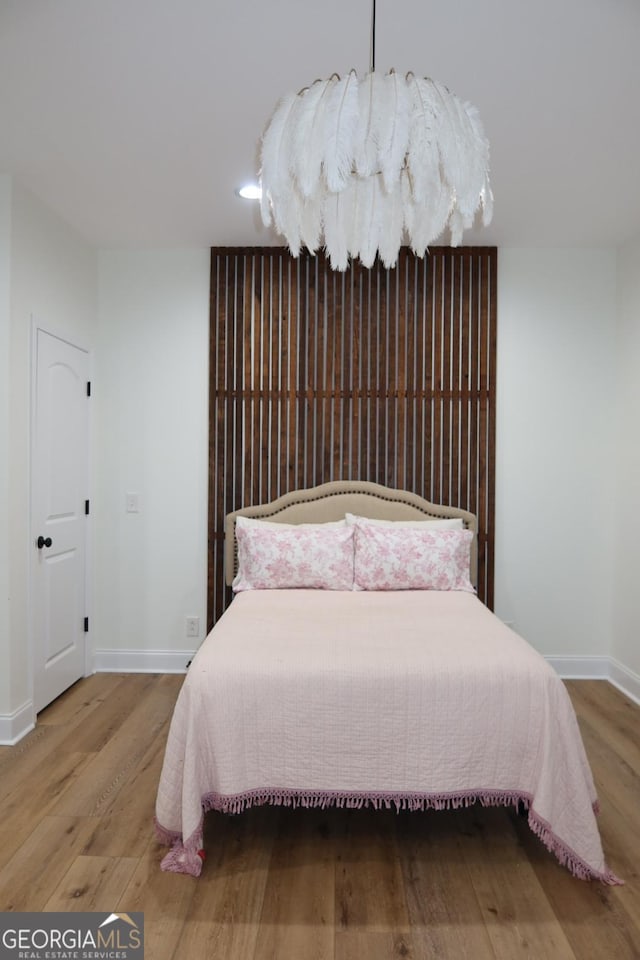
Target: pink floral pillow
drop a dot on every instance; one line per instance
(408, 559)
(313, 556)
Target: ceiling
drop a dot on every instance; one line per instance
(135, 120)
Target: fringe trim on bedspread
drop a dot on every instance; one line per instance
(379, 801)
(566, 856)
(187, 857)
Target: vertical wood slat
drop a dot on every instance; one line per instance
(474, 386)
(483, 422)
(390, 444)
(262, 379)
(447, 337)
(247, 365)
(436, 310)
(454, 474)
(311, 407)
(361, 424)
(238, 435)
(465, 382)
(273, 452)
(348, 407)
(373, 411)
(404, 384)
(420, 292)
(335, 379)
(382, 383)
(492, 270)
(215, 572)
(372, 374)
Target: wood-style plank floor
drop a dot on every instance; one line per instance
(76, 806)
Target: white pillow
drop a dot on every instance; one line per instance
(448, 523)
(277, 556)
(388, 558)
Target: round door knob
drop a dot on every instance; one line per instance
(44, 542)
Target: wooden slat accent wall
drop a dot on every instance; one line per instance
(383, 375)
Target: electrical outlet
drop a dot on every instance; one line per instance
(133, 503)
(193, 626)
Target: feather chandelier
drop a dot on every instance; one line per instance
(359, 166)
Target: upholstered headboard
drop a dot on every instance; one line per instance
(330, 501)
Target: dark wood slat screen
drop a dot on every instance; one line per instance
(383, 375)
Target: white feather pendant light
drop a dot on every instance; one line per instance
(334, 230)
(288, 218)
(426, 222)
(486, 195)
(306, 165)
(311, 154)
(370, 221)
(311, 221)
(423, 157)
(341, 121)
(392, 217)
(275, 159)
(393, 128)
(450, 142)
(366, 146)
(363, 166)
(486, 198)
(367, 221)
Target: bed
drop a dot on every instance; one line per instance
(356, 667)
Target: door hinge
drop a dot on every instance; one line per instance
(86, 508)
(86, 624)
(88, 388)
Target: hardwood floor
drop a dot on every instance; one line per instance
(76, 803)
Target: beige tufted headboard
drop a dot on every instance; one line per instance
(330, 501)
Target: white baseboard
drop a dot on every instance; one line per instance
(581, 668)
(598, 668)
(14, 726)
(625, 680)
(142, 661)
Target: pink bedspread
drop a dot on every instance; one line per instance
(413, 698)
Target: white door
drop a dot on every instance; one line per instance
(59, 485)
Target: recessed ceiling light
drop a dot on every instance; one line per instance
(250, 191)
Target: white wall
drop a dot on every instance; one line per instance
(626, 622)
(53, 277)
(556, 319)
(555, 447)
(5, 325)
(151, 427)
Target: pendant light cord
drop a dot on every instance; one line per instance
(373, 36)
